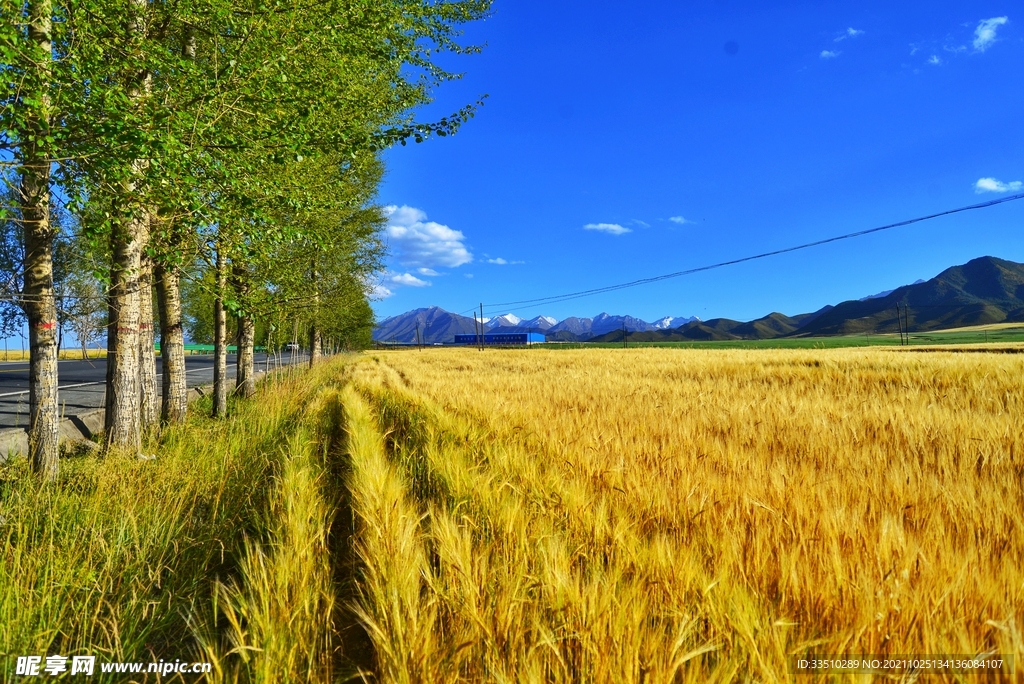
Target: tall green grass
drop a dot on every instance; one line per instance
(280, 607)
(216, 551)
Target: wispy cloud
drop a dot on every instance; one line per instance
(379, 292)
(611, 228)
(408, 280)
(993, 185)
(830, 54)
(679, 219)
(427, 272)
(418, 242)
(985, 34)
(849, 33)
(934, 60)
(502, 262)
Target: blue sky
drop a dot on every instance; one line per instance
(626, 140)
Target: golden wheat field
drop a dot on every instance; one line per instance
(666, 515)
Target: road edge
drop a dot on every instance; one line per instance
(79, 427)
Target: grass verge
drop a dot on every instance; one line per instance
(217, 551)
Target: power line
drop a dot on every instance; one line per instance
(530, 303)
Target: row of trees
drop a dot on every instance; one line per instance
(242, 136)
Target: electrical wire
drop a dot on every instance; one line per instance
(531, 303)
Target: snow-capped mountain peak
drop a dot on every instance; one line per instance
(506, 320)
(669, 322)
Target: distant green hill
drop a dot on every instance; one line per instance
(982, 291)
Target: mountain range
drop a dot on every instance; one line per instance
(984, 290)
(439, 326)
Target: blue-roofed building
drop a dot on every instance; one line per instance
(500, 339)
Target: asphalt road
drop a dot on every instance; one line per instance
(82, 383)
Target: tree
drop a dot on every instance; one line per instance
(12, 257)
(28, 119)
(86, 309)
(175, 119)
(322, 276)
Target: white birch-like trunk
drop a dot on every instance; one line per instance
(174, 390)
(128, 240)
(124, 414)
(220, 347)
(150, 408)
(245, 339)
(40, 307)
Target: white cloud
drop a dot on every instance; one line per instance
(679, 219)
(985, 34)
(427, 272)
(642, 224)
(499, 261)
(469, 275)
(993, 185)
(934, 60)
(849, 33)
(408, 279)
(830, 54)
(612, 228)
(422, 243)
(378, 292)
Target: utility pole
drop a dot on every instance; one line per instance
(624, 335)
(419, 344)
(481, 326)
(899, 322)
(906, 321)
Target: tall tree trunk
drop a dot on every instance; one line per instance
(44, 416)
(124, 415)
(174, 392)
(314, 344)
(245, 375)
(150, 409)
(245, 361)
(314, 327)
(128, 240)
(295, 338)
(220, 349)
